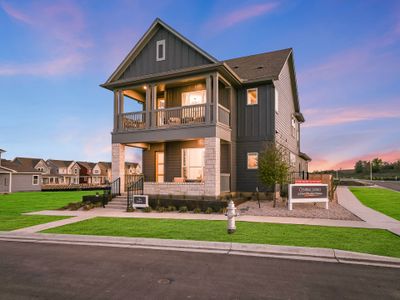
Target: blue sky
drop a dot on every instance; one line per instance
(54, 54)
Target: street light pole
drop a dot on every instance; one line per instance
(370, 170)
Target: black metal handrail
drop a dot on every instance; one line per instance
(134, 188)
(298, 175)
(116, 188)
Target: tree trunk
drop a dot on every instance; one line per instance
(276, 193)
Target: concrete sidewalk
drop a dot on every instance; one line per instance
(370, 216)
(288, 252)
(104, 212)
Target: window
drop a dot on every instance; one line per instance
(193, 164)
(193, 98)
(76, 171)
(252, 96)
(159, 166)
(276, 100)
(160, 50)
(35, 180)
(293, 127)
(292, 159)
(252, 160)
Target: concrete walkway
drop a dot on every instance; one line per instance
(104, 212)
(370, 216)
(40, 227)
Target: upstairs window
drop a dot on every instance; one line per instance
(160, 50)
(252, 96)
(292, 159)
(276, 100)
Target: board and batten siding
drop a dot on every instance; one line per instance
(255, 128)
(286, 109)
(174, 95)
(178, 55)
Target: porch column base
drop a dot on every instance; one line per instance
(118, 164)
(212, 166)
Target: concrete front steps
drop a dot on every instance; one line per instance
(118, 202)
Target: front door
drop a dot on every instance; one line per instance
(160, 166)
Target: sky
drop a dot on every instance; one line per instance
(54, 54)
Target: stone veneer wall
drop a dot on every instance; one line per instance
(212, 166)
(174, 188)
(118, 163)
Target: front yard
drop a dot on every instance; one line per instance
(380, 199)
(371, 241)
(13, 205)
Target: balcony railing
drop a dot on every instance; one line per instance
(224, 115)
(133, 120)
(183, 115)
(173, 117)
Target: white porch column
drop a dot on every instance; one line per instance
(212, 166)
(118, 164)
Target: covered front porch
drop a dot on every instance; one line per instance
(196, 167)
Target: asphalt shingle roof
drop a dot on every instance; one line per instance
(259, 66)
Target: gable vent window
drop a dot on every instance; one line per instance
(160, 49)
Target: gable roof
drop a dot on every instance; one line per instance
(143, 41)
(20, 164)
(60, 163)
(86, 164)
(264, 66)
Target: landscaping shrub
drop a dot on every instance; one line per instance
(197, 210)
(171, 208)
(183, 209)
(209, 210)
(130, 209)
(160, 209)
(216, 205)
(147, 209)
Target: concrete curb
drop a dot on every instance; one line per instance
(284, 252)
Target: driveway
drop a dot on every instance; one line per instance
(44, 271)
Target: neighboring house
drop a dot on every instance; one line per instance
(19, 175)
(132, 168)
(67, 171)
(203, 121)
(85, 172)
(101, 173)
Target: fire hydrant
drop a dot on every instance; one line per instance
(231, 214)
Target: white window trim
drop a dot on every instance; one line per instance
(183, 165)
(247, 96)
(33, 179)
(158, 44)
(276, 100)
(247, 162)
(185, 95)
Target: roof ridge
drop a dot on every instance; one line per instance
(267, 52)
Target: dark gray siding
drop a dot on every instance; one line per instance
(174, 95)
(178, 55)
(256, 122)
(149, 157)
(255, 127)
(225, 158)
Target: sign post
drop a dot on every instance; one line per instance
(308, 193)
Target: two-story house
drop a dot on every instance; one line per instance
(202, 122)
(67, 171)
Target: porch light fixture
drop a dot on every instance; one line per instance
(145, 87)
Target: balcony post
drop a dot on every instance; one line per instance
(153, 105)
(215, 98)
(121, 102)
(208, 98)
(148, 106)
(116, 111)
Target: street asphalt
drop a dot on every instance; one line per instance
(53, 271)
(393, 185)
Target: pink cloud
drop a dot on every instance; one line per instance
(343, 115)
(12, 12)
(222, 22)
(320, 164)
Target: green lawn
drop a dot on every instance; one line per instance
(382, 200)
(12, 205)
(372, 241)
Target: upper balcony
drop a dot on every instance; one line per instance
(188, 104)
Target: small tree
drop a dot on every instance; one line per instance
(273, 167)
(359, 166)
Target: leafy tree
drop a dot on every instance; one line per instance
(377, 164)
(359, 166)
(273, 167)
